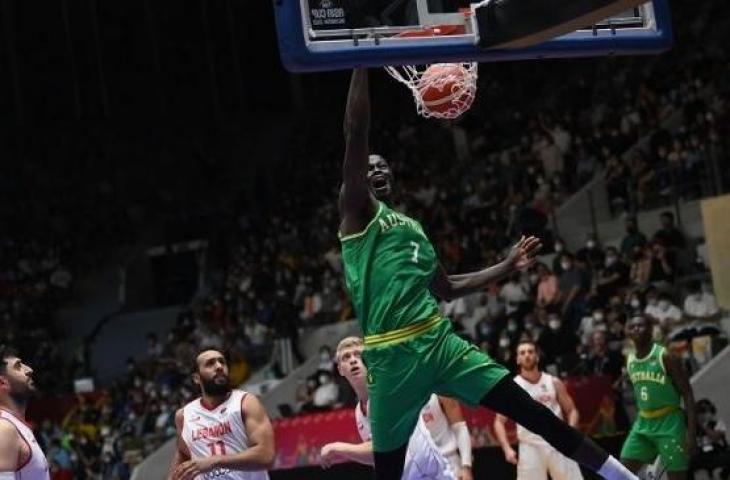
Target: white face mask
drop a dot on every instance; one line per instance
(554, 324)
(598, 316)
(590, 244)
(635, 303)
(610, 261)
(652, 301)
(504, 342)
(663, 304)
(565, 265)
(558, 247)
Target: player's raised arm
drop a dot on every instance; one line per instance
(449, 287)
(357, 206)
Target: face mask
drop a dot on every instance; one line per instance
(610, 261)
(324, 356)
(324, 379)
(529, 325)
(534, 278)
(635, 303)
(598, 316)
(512, 327)
(663, 304)
(652, 302)
(504, 342)
(590, 244)
(565, 265)
(558, 247)
(554, 324)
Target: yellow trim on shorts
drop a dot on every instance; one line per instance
(659, 412)
(402, 334)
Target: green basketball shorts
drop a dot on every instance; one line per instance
(663, 436)
(404, 370)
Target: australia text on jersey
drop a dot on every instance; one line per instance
(643, 376)
(395, 220)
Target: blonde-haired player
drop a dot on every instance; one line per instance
(536, 457)
(424, 460)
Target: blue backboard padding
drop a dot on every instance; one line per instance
(296, 57)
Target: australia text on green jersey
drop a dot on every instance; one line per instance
(388, 269)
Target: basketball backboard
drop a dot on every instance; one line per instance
(317, 35)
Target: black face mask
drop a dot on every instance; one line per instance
(216, 389)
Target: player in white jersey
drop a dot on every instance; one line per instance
(225, 434)
(20, 455)
(445, 422)
(424, 461)
(536, 457)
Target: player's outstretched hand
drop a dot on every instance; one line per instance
(523, 253)
(192, 468)
(330, 455)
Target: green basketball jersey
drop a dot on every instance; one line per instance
(653, 387)
(388, 268)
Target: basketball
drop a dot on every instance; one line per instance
(446, 87)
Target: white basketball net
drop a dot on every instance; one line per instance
(463, 87)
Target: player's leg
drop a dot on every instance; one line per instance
(511, 400)
(638, 449)
(397, 390)
(531, 463)
(472, 376)
(389, 465)
(562, 467)
(670, 441)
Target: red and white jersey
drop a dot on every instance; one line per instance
(218, 431)
(423, 461)
(36, 467)
(544, 392)
(438, 426)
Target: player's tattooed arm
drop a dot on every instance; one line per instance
(449, 287)
(681, 380)
(357, 206)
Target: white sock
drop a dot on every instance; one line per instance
(612, 469)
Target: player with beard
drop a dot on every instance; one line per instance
(537, 457)
(20, 454)
(393, 277)
(226, 433)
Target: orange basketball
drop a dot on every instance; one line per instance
(444, 87)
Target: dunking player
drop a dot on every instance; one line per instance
(225, 434)
(20, 454)
(410, 351)
(536, 457)
(660, 382)
(423, 459)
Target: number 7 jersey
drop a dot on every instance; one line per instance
(218, 431)
(388, 269)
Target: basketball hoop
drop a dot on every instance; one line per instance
(441, 90)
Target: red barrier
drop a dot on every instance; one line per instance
(299, 439)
